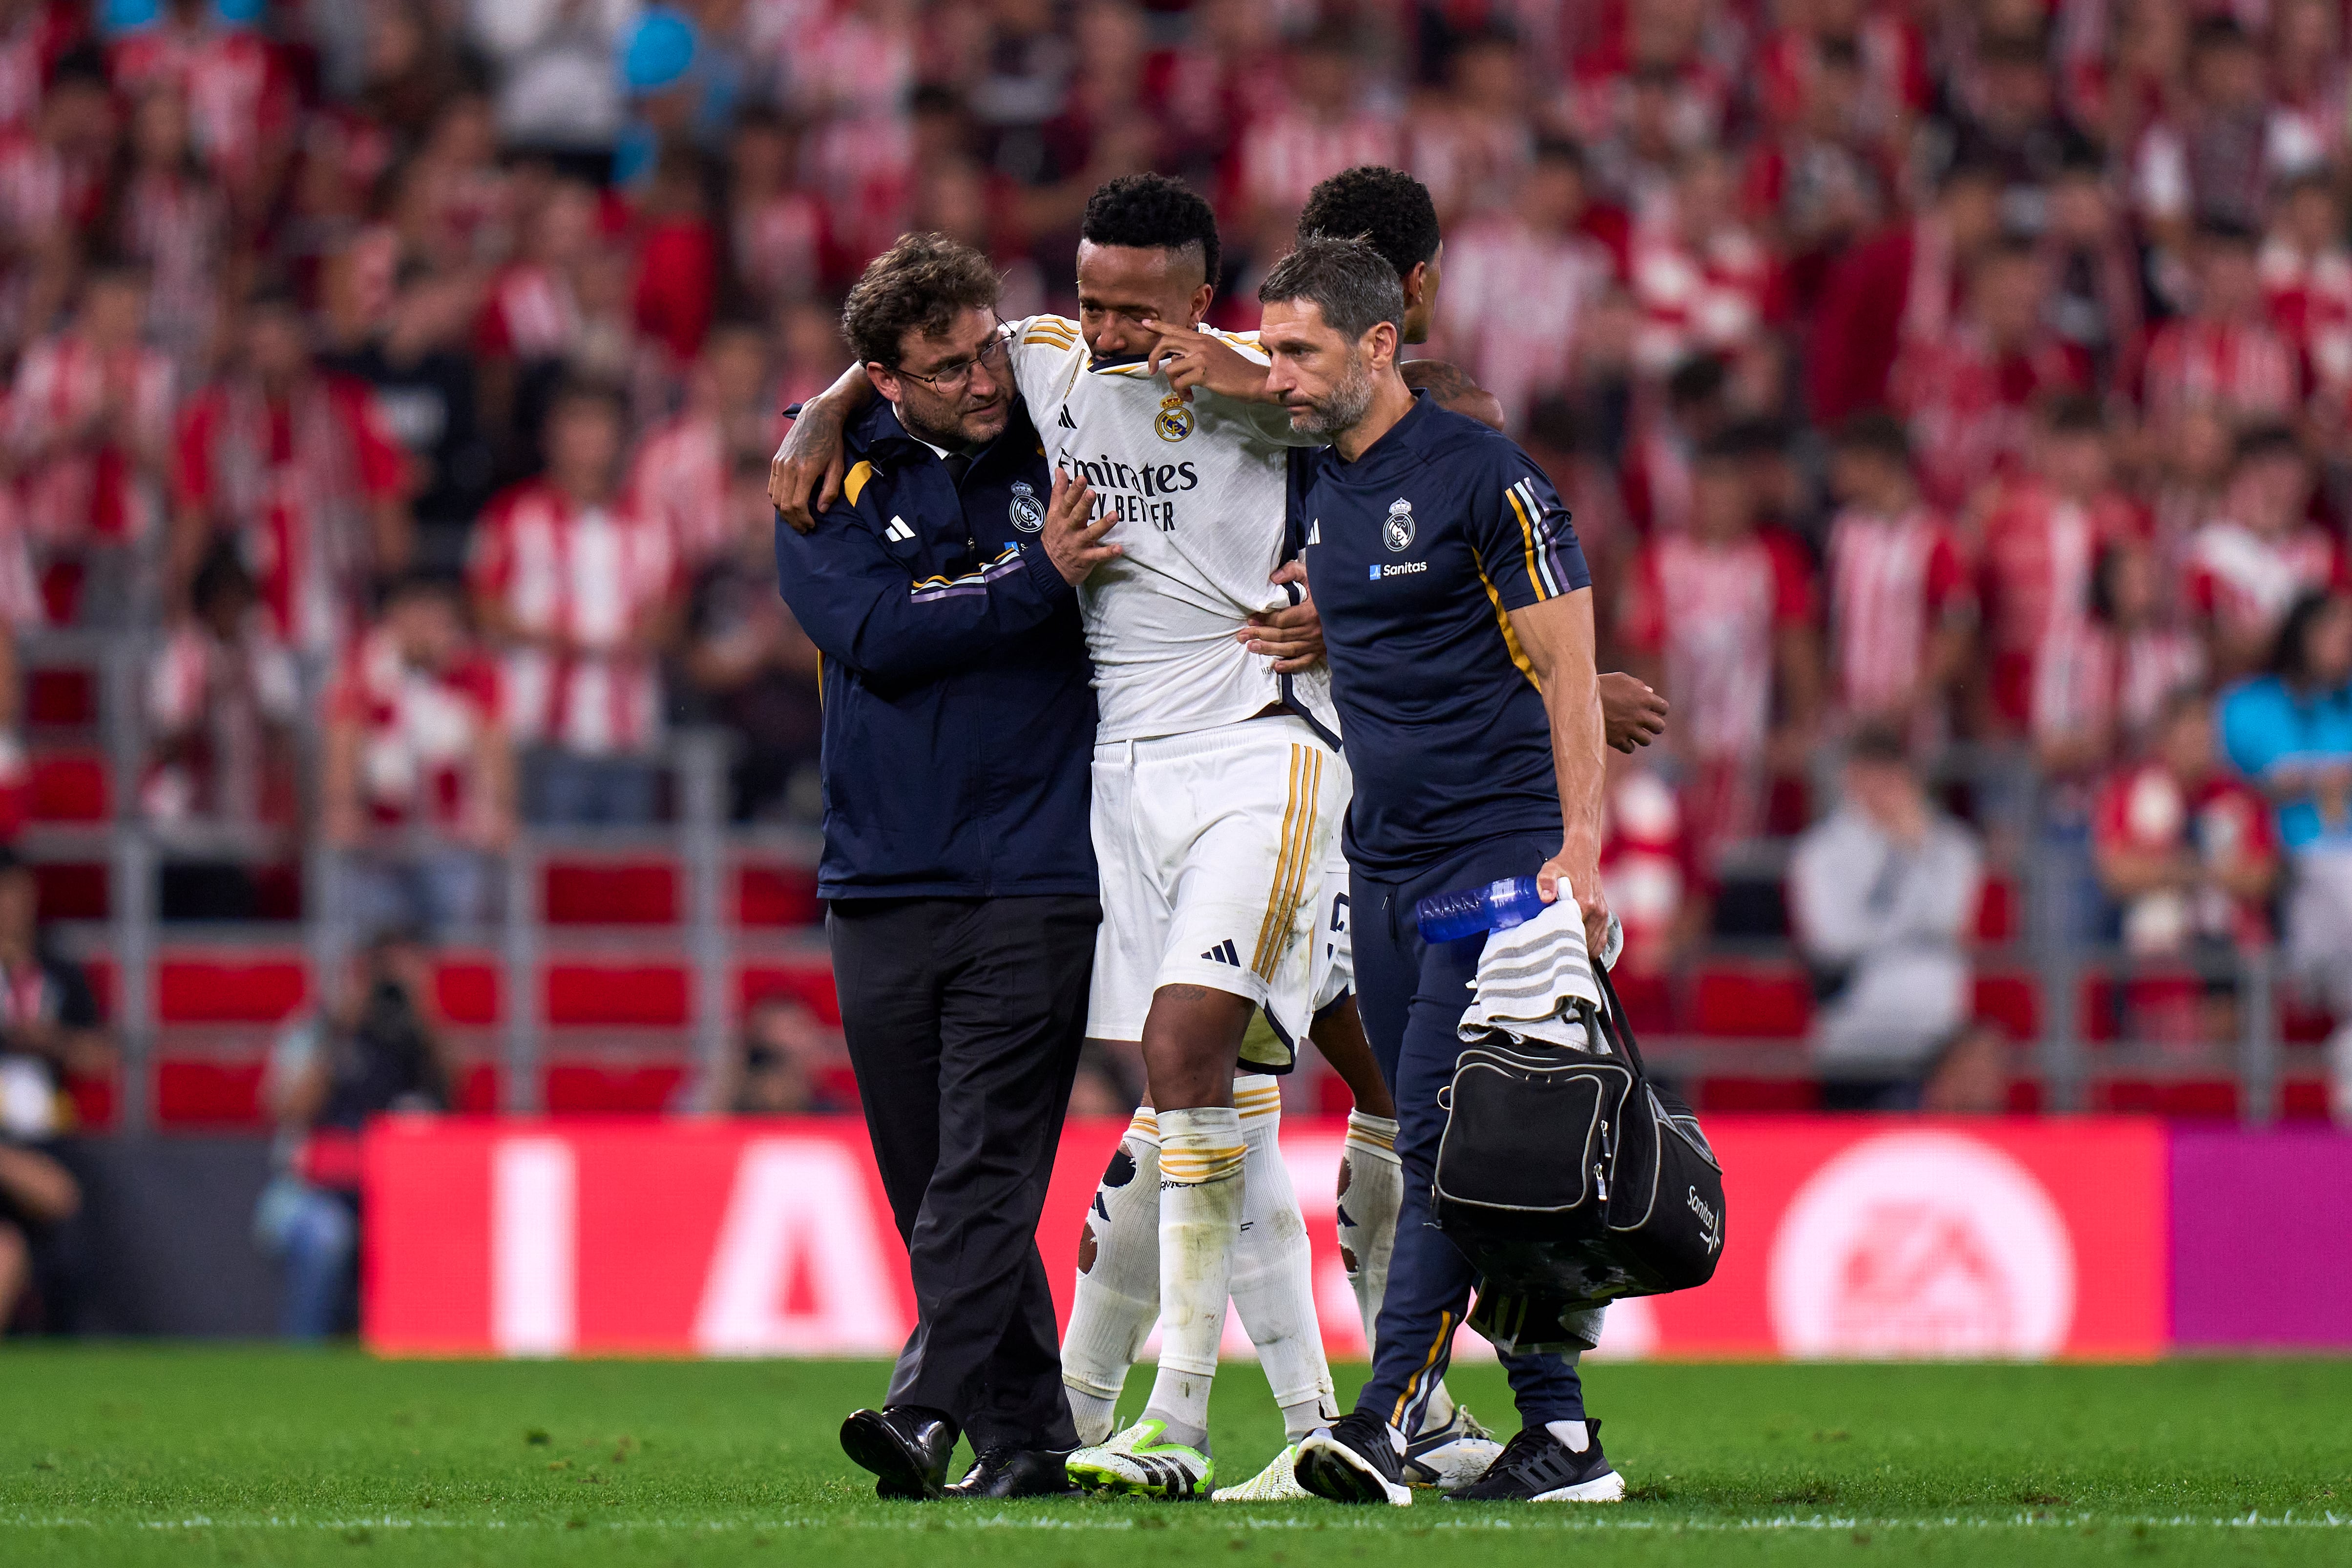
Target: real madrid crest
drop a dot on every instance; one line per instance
(1174, 419)
(1397, 532)
(1024, 512)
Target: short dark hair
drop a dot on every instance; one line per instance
(1878, 743)
(1356, 288)
(1388, 208)
(2270, 440)
(2228, 232)
(921, 284)
(574, 391)
(2074, 413)
(2290, 657)
(220, 574)
(1877, 433)
(1154, 212)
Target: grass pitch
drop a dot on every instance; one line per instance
(181, 1455)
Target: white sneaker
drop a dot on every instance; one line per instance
(1278, 1483)
(1137, 1461)
(1450, 1456)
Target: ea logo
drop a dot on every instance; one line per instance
(1025, 513)
(1397, 532)
(1922, 1244)
(1174, 421)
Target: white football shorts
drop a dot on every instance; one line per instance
(1220, 860)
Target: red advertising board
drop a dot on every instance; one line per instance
(1845, 1239)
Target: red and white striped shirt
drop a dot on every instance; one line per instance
(1287, 154)
(21, 606)
(2310, 301)
(2092, 679)
(421, 731)
(680, 475)
(41, 34)
(778, 247)
(1645, 859)
(295, 479)
(2038, 553)
(1712, 611)
(178, 226)
(2245, 368)
(588, 581)
(218, 700)
(1893, 582)
(1713, 297)
(78, 483)
(1969, 408)
(240, 94)
(1514, 301)
(2245, 583)
(529, 315)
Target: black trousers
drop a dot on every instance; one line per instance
(964, 1017)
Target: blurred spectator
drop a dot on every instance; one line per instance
(2186, 851)
(2014, 124)
(2101, 683)
(1703, 283)
(1884, 893)
(422, 375)
(297, 464)
(89, 422)
(775, 232)
(1969, 1076)
(2249, 564)
(751, 662)
(2223, 354)
(2291, 732)
(1655, 887)
(172, 220)
(581, 593)
(1720, 619)
(780, 1069)
(50, 1033)
(2306, 276)
(1817, 185)
(558, 86)
(1321, 126)
(2212, 158)
(223, 700)
(52, 188)
(240, 89)
(1901, 607)
(416, 789)
(530, 322)
(682, 469)
(1666, 435)
(2092, 270)
(372, 1049)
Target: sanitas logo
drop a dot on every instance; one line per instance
(1404, 568)
(1707, 1216)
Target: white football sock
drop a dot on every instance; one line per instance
(1274, 1267)
(1200, 1194)
(1117, 1298)
(1371, 1190)
(1572, 1434)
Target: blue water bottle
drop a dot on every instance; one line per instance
(1497, 906)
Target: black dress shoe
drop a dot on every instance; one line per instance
(1016, 1472)
(905, 1445)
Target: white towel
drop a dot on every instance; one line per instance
(1531, 978)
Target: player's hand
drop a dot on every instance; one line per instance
(1291, 636)
(1074, 543)
(1632, 715)
(1192, 358)
(809, 459)
(1582, 883)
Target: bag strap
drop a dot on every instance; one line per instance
(1616, 1028)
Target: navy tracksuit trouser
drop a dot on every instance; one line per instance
(1412, 996)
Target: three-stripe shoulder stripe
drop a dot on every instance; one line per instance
(930, 587)
(1541, 569)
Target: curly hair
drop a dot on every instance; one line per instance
(921, 284)
(1153, 212)
(1386, 208)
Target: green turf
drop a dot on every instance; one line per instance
(128, 1455)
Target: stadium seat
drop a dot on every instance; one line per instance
(193, 1092)
(1998, 906)
(60, 696)
(74, 890)
(770, 896)
(467, 990)
(592, 1088)
(198, 988)
(1751, 1001)
(97, 1101)
(1649, 1003)
(2303, 1025)
(70, 786)
(809, 982)
(2012, 1002)
(2184, 1099)
(1717, 1095)
(477, 1089)
(641, 893)
(580, 992)
(2304, 1100)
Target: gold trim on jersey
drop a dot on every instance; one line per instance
(853, 483)
(1510, 638)
(1526, 533)
(1299, 818)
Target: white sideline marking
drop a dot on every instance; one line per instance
(935, 1518)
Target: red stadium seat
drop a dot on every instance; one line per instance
(776, 896)
(2012, 1002)
(204, 990)
(2302, 1025)
(466, 991)
(97, 1101)
(619, 893)
(1649, 1003)
(476, 1092)
(809, 983)
(70, 786)
(2187, 1099)
(2304, 1100)
(60, 696)
(73, 890)
(646, 995)
(1997, 910)
(1751, 1002)
(1719, 1095)
(204, 1092)
(604, 1089)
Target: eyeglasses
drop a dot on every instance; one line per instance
(949, 381)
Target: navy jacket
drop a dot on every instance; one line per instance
(958, 720)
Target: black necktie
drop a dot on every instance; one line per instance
(959, 464)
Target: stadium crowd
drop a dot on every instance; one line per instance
(1921, 373)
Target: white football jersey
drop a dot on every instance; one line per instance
(1199, 490)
